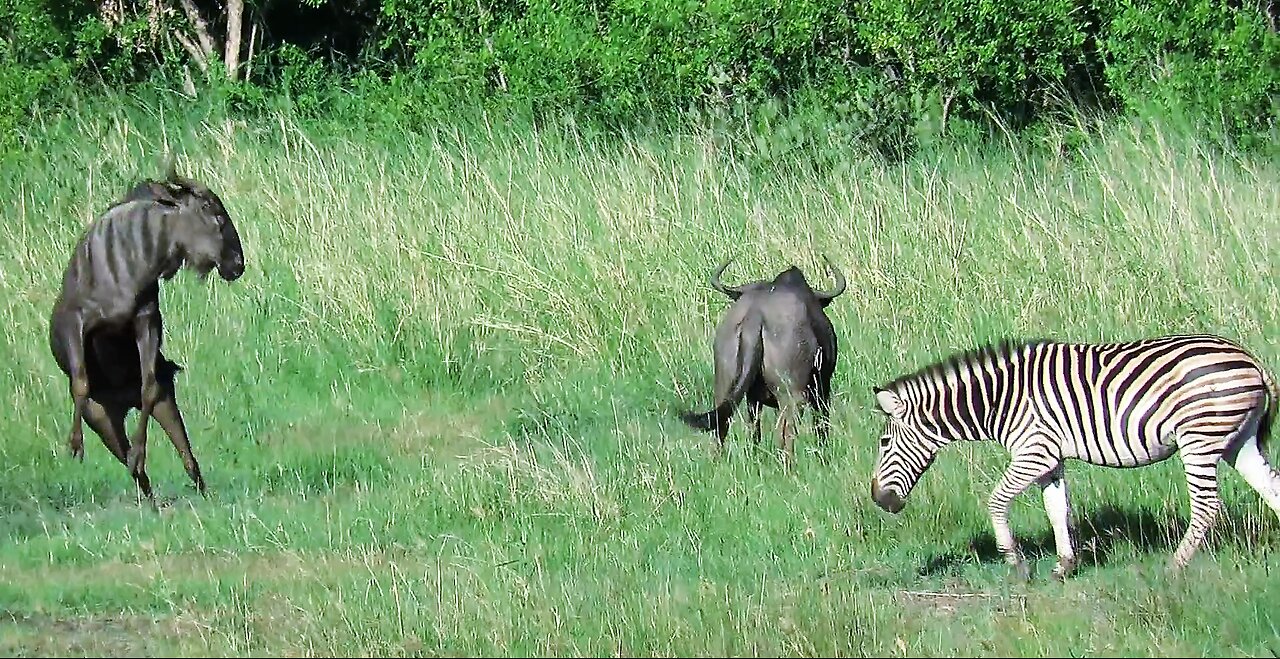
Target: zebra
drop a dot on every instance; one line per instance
(1121, 404)
(105, 330)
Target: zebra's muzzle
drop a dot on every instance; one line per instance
(888, 500)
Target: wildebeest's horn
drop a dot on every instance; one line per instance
(171, 175)
(731, 291)
(171, 168)
(840, 284)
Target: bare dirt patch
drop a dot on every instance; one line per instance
(452, 429)
(951, 602)
(41, 634)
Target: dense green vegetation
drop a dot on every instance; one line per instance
(437, 416)
(885, 72)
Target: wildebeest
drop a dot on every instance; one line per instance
(775, 346)
(106, 327)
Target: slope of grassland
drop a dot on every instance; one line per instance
(437, 415)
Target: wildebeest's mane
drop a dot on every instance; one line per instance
(149, 190)
(995, 350)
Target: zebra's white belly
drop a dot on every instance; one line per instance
(1121, 451)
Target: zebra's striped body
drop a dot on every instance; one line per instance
(1117, 405)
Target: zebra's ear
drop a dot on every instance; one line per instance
(889, 402)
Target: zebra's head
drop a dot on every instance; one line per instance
(907, 449)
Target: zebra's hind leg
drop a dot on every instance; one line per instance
(1024, 469)
(1057, 505)
(1202, 487)
(1248, 459)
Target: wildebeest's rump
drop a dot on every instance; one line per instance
(774, 347)
(106, 328)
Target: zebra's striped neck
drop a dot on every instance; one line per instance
(970, 396)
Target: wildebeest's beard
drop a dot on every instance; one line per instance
(229, 264)
(202, 268)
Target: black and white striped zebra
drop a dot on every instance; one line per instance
(1117, 405)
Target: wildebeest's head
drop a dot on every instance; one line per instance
(205, 232)
(791, 278)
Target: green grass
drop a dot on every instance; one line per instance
(437, 415)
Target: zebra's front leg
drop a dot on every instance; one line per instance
(1057, 505)
(1023, 470)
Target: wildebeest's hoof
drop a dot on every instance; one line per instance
(76, 446)
(134, 460)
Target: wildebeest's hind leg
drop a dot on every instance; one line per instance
(820, 398)
(147, 330)
(169, 416)
(108, 422)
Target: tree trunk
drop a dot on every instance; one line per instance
(235, 10)
(201, 28)
(194, 37)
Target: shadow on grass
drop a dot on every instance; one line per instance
(1100, 534)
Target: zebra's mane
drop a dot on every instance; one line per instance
(993, 351)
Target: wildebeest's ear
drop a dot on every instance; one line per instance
(889, 401)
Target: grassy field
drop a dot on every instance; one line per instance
(437, 415)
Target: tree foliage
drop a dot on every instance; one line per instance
(886, 64)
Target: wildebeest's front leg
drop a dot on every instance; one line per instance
(146, 326)
(69, 341)
(787, 413)
(108, 422)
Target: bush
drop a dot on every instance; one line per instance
(1216, 57)
(886, 71)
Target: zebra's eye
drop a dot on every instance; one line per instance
(884, 441)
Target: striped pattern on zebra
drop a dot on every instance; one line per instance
(1118, 405)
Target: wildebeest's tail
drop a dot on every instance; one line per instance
(748, 357)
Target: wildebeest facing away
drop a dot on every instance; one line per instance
(106, 327)
(775, 346)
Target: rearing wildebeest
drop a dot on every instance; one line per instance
(106, 328)
(776, 347)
